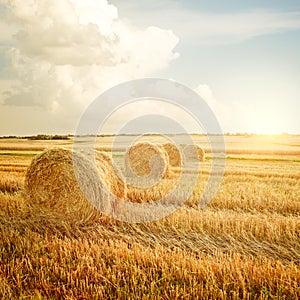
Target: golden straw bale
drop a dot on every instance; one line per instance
(193, 153)
(51, 182)
(147, 160)
(174, 154)
(154, 178)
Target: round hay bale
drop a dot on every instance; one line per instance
(174, 154)
(52, 183)
(193, 153)
(147, 160)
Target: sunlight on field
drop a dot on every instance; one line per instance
(245, 244)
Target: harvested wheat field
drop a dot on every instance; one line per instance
(244, 245)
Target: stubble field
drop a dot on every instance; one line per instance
(244, 245)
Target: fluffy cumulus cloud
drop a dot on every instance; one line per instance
(60, 54)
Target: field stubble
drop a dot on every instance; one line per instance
(243, 245)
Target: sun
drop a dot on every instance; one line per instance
(267, 121)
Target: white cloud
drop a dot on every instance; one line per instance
(148, 50)
(206, 93)
(96, 12)
(60, 54)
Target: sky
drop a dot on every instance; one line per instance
(241, 57)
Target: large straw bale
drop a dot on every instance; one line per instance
(51, 183)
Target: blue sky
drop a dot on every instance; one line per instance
(257, 70)
(238, 5)
(242, 57)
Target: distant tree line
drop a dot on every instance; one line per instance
(69, 136)
(48, 137)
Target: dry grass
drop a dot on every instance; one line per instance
(150, 194)
(213, 254)
(10, 181)
(244, 245)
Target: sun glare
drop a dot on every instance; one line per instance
(268, 122)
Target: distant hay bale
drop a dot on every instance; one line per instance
(147, 160)
(173, 154)
(51, 183)
(193, 153)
